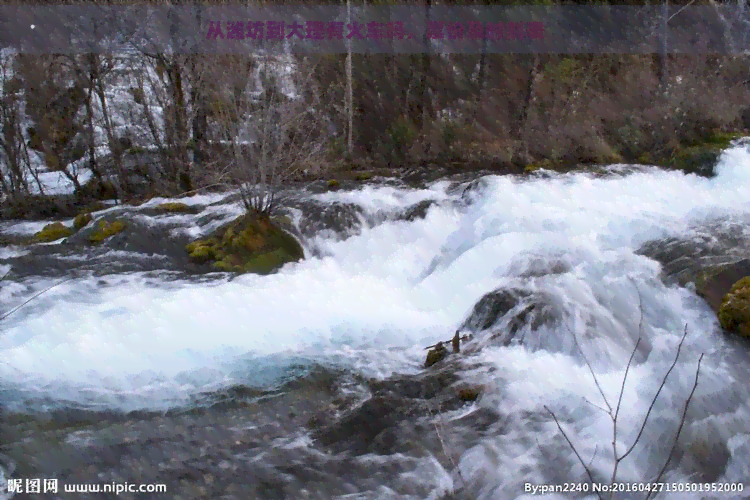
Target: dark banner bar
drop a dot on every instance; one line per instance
(228, 29)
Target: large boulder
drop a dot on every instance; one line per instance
(734, 311)
(249, 244)
(714, 283)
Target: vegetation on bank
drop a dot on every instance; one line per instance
(507, 112)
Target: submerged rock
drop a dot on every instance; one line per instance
(734, 312)
(385, 422)
(249, 244)
(524, 307)
(417, 211)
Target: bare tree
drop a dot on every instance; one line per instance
(272, 137)
(14, 155)
(615, 412)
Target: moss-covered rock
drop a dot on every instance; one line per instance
(106, 229)
(250, 244)
(333, 184)
(173, 207)
(734, 312)
(81, 221)
(545, 164)
(435, 355)
(53, 232)
(363, 176)
(470, 393)
(201, 251)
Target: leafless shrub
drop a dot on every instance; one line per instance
(615, 412)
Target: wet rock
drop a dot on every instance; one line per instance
(436, 355)
(715, 282)
(358, 429)
(170, 207)
(343, 219)
(380, 424)
(505, 312)
(426, 385)
(249, 244)
(491, 308)
(734, 311)
(470, 393)
(417, 211)
(698, 160)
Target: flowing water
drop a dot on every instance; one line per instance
(369, 303)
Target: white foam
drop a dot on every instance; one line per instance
(378, 297)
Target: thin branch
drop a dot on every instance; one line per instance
(656, 396)
(442, 444)
(4, 316)
(682, 423)
(595, 405)
(580, 459)
(622, 391)
(591, 369)
(594, 455)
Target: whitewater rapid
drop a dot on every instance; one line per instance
(371, 302)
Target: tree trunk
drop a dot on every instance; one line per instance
(200, 122)
(349, 91)
(663, 55)
(535, 76)
(108, 127)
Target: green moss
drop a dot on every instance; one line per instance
(646, 159)
(201, 251)
(282, 220)
(81, 221)
(173, 206)
(723, 139)
(435, 355)
(696, 159)
(105, 230)
(546, 164)
(247, 245)
(53, 232)
(333, 184)
(267, 262)
(734, 312)
(364, 176)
